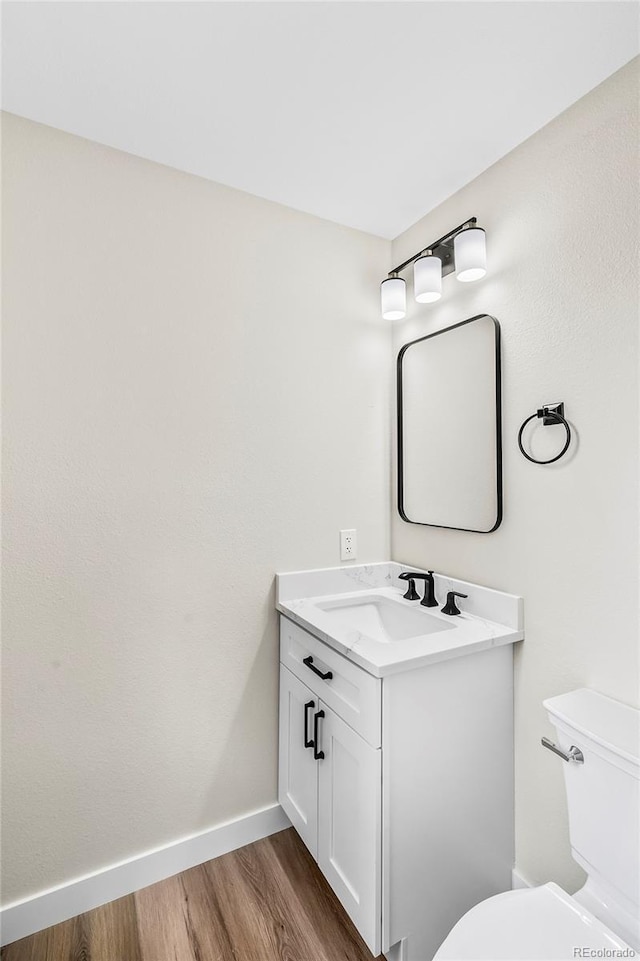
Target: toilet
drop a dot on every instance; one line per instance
(603, 796)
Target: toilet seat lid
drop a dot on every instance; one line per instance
(533, 924)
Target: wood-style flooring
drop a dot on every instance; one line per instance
(264, 902)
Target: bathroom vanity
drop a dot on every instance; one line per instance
(396, 746)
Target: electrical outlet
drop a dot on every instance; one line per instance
(348, 545)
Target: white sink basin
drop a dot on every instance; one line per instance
(381, 618)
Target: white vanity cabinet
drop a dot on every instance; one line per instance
(409, 813)
(329, 774)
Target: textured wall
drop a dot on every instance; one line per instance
(196, 395)
(561, 213)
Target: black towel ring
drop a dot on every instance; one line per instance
(550, 415)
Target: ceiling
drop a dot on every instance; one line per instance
(365, 113)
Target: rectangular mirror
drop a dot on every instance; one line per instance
(450, 429)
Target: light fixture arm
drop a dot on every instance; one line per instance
(442, 248)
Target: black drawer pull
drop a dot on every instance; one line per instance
(309, 662)
(318, 755)
(307, 741)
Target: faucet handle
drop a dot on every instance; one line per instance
(411, 593)
(450, 607)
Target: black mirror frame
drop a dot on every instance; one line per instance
(400, 478)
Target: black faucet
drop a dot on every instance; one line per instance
(429, 599)
(411, 594)
(450, 607)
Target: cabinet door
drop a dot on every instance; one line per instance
(349, 839)
(298, 771)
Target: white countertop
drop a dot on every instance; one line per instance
(489, 618)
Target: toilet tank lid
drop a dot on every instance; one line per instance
(614, 725)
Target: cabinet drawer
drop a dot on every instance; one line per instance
(353, 694)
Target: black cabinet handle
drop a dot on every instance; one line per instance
(309, 662)
(307, 741)
(318, 755)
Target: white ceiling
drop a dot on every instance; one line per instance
(365, 113)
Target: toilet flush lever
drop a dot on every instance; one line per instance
(573, 754)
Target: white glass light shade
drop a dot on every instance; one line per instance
(393, 297)
(427, 279)
(470, 254)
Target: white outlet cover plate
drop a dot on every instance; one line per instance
(348, 545)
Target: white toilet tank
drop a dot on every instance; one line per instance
(603, 797)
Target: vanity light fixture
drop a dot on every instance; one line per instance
(427, 278)
(462, 250)
(393, 294)
(470, 254)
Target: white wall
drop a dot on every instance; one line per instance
(561, 213)
(196, 395)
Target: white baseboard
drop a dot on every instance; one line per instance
(58, 904)
(519, 881)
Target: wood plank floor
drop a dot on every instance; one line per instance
(265, 902)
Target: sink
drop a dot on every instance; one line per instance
(382, 619)
(361, 612)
